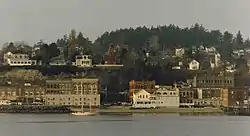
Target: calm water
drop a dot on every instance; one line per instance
(137, 125)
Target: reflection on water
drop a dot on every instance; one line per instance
(98, 121)
(132, 125)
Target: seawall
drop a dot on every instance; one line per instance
(39, 109)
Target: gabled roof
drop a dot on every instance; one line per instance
(142, 91)
(193, 60)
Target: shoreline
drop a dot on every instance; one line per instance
(42, 109)
(126, 110)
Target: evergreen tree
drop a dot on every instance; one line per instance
(239, 39)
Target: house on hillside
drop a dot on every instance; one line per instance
(179, 52)
(83, 61)
(215, 60)
(18, 59)
(193, 65)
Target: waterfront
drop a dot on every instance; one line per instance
(136, 125)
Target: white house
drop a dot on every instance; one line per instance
(231, 68)
(210, 49)
(215, 60)
(143, 99)
(83, 61)
(193, 65)
(179, 52)
(164, 97)
(167, 97)
(18, 59)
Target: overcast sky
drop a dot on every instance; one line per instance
(32, 20)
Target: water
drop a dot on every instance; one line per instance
(137, 125)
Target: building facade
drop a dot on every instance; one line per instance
(186, 97)
(75, 92)
(12, 93)
(238, 97)
(143, 99)
(164, 97)
(31, 94)
(168, 97)
(83, 61)
(136, 86)
(214, 81)
(23, 94)
(193, 65)
(18, 59)
(215, 97)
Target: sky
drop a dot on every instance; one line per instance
(48, 20)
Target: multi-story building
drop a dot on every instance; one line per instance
(186, 97)
(143, 99)
(238, 97)
(168, 96)
(164, 97)
(214, 81)
(86, 91)
(210, 97)
(73, 92)
(24, 94)
(18, 59)
(83, 61)
(32, 94)
(136, 86)
(8, 92)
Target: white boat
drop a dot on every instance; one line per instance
(84, 114)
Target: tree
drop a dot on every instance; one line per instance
(72, 44)
(239, 39)
(9, 47)
(83, 44)
(227, 38)
(64, 43)
(247, 42)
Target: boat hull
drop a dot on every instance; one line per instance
(84, 114)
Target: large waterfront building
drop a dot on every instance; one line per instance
(8, 92)
(186, 96)
(73, 92)
(214, 81)
(164, 97)
(32, 94)
(23, 94)
(238, 97)
(168, 96)
(211, 97)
